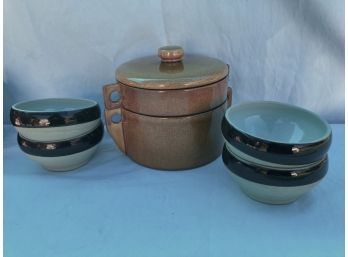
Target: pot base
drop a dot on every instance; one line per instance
(164, 166)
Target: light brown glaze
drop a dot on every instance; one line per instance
(171, 143)
(115, 129)
(107, 91)
(171, 53)
(152, 73)
(167, 103)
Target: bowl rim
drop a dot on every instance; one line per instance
(62, 148)
(15, 106)
(294, 107)
(262, 163)
(275, 177)
(54, 118)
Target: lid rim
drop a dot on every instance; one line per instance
(174, 88)
(146, 73)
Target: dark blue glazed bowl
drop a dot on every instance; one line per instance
(268, 133)
(274, 186)
(55, 119)
(63, 155)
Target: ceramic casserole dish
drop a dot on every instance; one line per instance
(170, 108)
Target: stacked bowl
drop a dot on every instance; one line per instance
(275, 152)
(59, 133)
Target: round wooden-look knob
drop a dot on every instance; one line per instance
(171, 53)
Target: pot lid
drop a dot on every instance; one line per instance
(171, 70)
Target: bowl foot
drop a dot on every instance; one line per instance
(272, 194)
(66, 163)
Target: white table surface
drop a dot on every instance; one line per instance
(114, 207)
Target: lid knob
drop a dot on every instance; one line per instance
(171, 53)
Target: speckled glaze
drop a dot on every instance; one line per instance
(171, 107)
(167, 103)
(152, 73)
(169, 143)
(169, 85)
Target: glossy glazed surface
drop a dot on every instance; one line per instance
(61, 133)
(275, 177)
(172, 143)
(53, 112)
(272, 194)
(264, 164)
(171, 53)
(151, 73)
(278, 123)
(62, 148)
(297, 151)
(167, 103)
(66, 162)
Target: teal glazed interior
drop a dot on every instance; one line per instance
(54, 105)
(278, 122)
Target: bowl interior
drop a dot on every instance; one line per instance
(278, 122)
(54, 105)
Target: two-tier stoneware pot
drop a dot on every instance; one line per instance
(171, 108)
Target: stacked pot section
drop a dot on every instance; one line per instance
(59, 133)
(275, 152)
(170, 109)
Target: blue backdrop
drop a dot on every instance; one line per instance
(286, 50)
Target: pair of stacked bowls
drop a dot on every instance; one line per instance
(276, 152)
(59, 133)
(171, 107)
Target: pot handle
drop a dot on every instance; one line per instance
(115, 129)
(229, 97)
(107, 91)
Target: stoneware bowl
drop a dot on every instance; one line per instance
(274, 186)
(63, 155)
(169, 85)
(168, 143)
(276, 135)
(55, 119)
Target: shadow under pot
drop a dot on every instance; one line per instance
(277, 135)
(168, 143)
(169, 84)
(274, 186)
